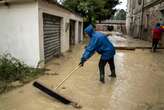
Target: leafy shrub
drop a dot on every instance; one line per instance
(12, 69)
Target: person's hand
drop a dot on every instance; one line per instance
(81, 63)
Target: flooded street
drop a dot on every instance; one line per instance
(138, 86)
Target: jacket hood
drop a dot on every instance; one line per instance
(89, 30)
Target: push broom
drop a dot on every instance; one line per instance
(56, 95)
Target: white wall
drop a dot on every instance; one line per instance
(19, 32)
(128, 21)
(128, 16)
(49, 8)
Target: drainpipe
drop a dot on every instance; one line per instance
(141, 25)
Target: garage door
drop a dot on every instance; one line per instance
(51, 27)
(79, 32)
(72, 33)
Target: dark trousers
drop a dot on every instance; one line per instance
(102, 64)
(154, 44)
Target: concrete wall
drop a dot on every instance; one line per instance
(134, 17)
(66, 16)
(153, 12)
(129, 17)
(152, 15)
(19, 31)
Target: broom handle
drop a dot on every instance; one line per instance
(69, 74)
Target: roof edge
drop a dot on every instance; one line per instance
(61, 6)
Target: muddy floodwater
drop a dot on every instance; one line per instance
(139, 84)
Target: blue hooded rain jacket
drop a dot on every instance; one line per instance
(100, 43)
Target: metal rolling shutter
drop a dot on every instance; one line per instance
(72, 32)
(51, 28)
(79, 32)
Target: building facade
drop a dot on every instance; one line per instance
(35, 31)
(134, 17)
(153, 13)
(117, 25)
(142, 16)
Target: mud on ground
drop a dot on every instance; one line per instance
(138, 86)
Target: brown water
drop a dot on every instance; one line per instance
(138, 86)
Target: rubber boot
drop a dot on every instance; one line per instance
(102, 78)
(113, 74)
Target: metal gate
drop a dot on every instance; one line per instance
(72, 33)
(51, 28)
(79, 32)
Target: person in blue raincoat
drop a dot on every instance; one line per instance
(101, 44)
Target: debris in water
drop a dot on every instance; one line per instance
(46, 69)
(63, 87)
(76, 105)
(21, 91)
(69, 50)
(53, 74)
(56, 63)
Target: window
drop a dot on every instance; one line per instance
(162, 17)
(133, 4)
(146, 26)
(139, 2)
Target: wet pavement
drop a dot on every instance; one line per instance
(120, 40)
(138, 86)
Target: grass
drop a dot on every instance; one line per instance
(13, 70)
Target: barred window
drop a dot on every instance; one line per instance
(139, 2)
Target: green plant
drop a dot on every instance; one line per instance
(12, 69)
(92, 10)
